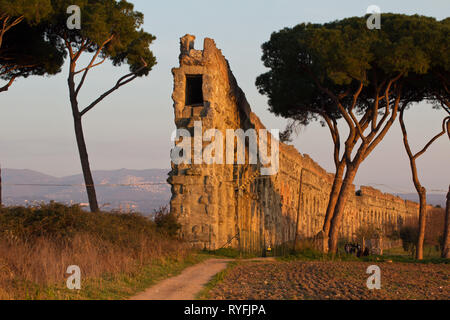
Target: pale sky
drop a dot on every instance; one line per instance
(132, 128)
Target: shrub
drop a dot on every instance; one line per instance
(394, 235)
(409, 236)
(37, 245)
(368, 232)
(60, 222)
(167, 222)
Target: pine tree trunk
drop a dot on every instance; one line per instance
(89, 181)
(422, 222)
(81, 143)
(347, 184)
(422, 192)
(446, 240)
(335, 190)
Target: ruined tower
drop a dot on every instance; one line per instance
(233, 205)
(204, 195)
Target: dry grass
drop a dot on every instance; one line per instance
(29, 263)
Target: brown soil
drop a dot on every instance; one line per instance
(333, 281)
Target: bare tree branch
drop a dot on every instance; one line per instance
(77, 55)
(6, 27)
(91, 67)
(387, 127)
(69, 47)
(6, 87)
(121, 82)
(387, 108)
(334, 130)
(91, 64)
(341, 108)
(355, 101)
(440, 134)
(405, 133)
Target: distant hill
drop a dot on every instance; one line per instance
(433, 199)
(150, 190)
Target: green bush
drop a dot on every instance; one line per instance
(167, 222)
(368, 232)
(409, 236)
(60, 222)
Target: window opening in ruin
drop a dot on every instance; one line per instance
(194, 90)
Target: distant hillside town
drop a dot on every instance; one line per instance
(122, 190)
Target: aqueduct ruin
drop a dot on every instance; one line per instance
(222, 204)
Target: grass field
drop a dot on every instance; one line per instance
(430, 252)
(119, 255)
(118, 286)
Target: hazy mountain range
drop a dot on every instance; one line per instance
(149, 190)
(435, 199)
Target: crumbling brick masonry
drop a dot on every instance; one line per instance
(231, 205)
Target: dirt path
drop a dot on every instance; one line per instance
(189, 283)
